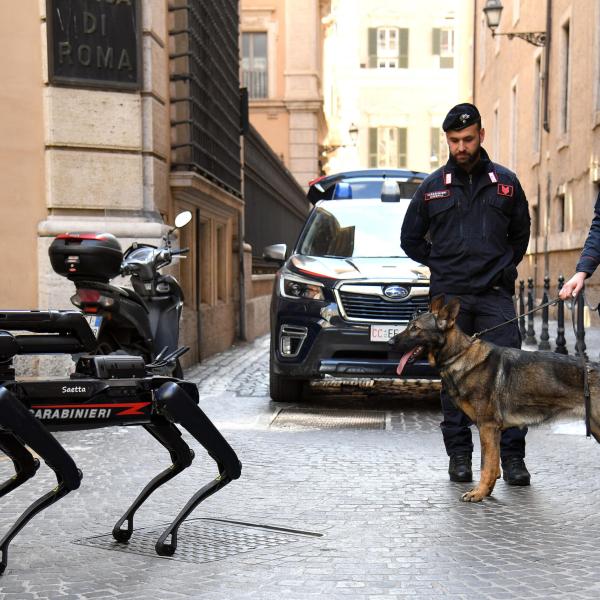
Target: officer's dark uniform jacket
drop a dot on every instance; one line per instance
(590, 256)
(471, 230)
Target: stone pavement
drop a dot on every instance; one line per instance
(360, 508)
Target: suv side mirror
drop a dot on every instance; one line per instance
(275, 252)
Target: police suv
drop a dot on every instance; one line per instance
(347, 286)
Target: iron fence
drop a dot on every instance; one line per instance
(276, 205)
(528, 313)
(205, 85)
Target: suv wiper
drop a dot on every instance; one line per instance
(332, 256)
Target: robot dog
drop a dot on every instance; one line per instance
(104, 391)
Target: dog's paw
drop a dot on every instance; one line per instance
(474, 495)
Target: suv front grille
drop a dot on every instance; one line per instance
(367, 307)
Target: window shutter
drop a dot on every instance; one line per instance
(372, 47)
(372, 147)
(436, 41)
(402, 146)
(403, 48)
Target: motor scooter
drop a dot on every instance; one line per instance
(142, 321)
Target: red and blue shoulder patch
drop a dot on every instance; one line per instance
(505, 190)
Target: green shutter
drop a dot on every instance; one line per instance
(436, 41)
(372, 47)
(372, 147)
(402, 147)
(403, 48)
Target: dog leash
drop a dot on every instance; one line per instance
(587, 399)
(480, 333)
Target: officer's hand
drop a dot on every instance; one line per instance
(572, 287)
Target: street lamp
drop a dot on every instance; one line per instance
(352, 132)
(493, 12)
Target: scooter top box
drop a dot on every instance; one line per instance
(86, 256)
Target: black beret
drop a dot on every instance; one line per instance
(461, 116)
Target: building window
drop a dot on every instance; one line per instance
(222, 260)
(443, 46)
(205, 262)
(387, 147)
(496, 133)
(565, 76)
(388, 48)
(512, 161)
(254, 64)
(516, 11)
(187, 267)
(560, 213)
(439, 148)
(482, 45)
(537, 105)
(535, 221)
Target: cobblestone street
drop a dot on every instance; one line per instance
(345, 498)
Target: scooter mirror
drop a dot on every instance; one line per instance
(183, 218)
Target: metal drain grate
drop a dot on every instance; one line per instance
(323, 418)
(204, 540)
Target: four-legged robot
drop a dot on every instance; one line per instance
(102, 392)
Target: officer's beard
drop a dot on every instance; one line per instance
(467, 160)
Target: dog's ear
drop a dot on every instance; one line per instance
(446, 316)
(436, 304)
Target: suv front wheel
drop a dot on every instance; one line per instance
(285, 389)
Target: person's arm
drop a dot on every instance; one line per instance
(589, 259)
(414, 230)
(520, 225)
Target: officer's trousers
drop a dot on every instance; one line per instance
(478, 312)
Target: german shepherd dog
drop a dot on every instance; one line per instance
(497, 387)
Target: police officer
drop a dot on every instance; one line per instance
(469, 223)
(589, 259)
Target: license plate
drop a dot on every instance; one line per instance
(383, 333)
(94, 321)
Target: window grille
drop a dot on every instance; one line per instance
(205, 97)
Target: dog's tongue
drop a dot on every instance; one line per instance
(403, 362)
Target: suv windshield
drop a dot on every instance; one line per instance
(354, 228)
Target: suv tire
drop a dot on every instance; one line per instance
(285, 389)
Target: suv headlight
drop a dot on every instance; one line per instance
(293, 286)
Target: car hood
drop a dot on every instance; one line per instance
(396, 268)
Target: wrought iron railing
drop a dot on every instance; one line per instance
(276, 205)
(205, 85)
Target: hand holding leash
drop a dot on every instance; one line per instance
(572, 287)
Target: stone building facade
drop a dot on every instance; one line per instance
(391, 74)
(541, 111)
(91, 155)
(282, 67)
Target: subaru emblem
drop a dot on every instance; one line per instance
(395, 292)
